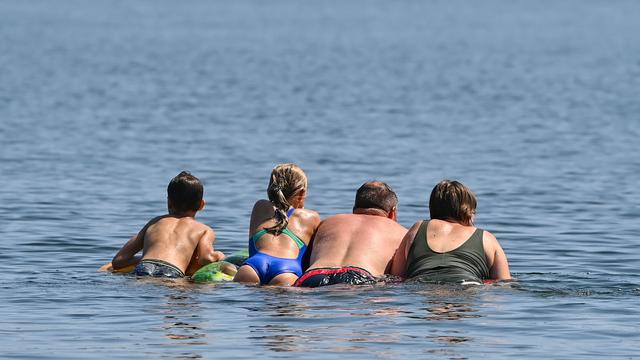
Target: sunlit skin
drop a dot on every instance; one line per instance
(367, 239)
(177, 238)
(303, 222)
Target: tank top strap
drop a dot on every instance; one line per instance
(420, 240)
(475, 241)
(419, 249)
(421, 235)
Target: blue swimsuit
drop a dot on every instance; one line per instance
(266, 266)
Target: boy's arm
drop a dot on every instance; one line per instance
(204, 251)
(126, 256)
(204, 254)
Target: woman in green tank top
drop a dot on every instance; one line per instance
(448, 248)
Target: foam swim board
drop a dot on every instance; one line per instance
(215, 272)
(237, 258)
(221, 270)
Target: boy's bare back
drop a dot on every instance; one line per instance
(174, 244)
(174, 239)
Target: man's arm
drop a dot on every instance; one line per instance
(496, 258)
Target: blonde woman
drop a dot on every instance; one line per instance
(448, 248)
(280, 230)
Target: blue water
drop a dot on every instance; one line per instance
(534, 105)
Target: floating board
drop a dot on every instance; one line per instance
(237, 258)
(221, 270)
(215, 272)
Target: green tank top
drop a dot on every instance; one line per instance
(466, 263)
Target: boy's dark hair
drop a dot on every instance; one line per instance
(377, 195)
(185, 192)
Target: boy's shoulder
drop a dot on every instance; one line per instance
(197, 226)
(189, 222)
(154, 220)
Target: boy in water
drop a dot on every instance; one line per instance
(174, 244)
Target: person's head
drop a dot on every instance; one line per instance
(287, 188)
(184, 194)
(453, 201)
(376, 197)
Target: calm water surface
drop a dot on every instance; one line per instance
(534, 105)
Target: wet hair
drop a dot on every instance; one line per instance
(286, 180)
(185, 192)
(376, 195)
(453, 201)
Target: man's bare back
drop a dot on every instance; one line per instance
(356, 248)
(364, 241)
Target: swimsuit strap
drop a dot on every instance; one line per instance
(285, 231)
(258, 235)
(294, 237)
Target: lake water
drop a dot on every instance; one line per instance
(533, 104)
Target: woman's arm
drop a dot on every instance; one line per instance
(399, 260)
(496, 258)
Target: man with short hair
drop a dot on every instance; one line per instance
(356, 248)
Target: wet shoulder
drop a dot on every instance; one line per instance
(383, 221)
(160, 222)
(398, 229)
(262, 205)
(340, 218)
(307, 216)
(190, 224)
(372, 221)
(489, 241)
(262, 211)
(415, 227)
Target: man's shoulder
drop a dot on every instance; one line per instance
(339, 218)
(361, 220)
(344, 216)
